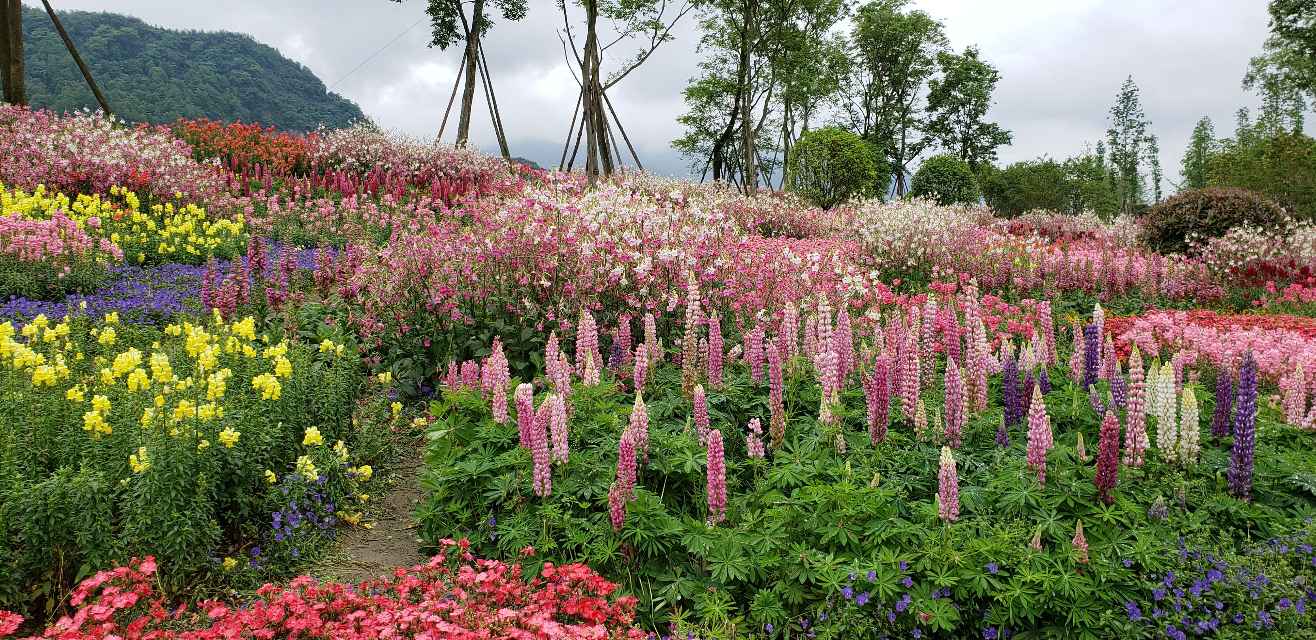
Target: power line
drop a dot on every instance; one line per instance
(376, 54)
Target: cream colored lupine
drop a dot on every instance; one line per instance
(1167, 428)
(1189, 428)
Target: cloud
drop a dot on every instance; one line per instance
(1061, 64)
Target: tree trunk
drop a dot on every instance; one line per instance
(16, 81)
(472, 63)
(598, 151)
(720, 165)
(751, 181)
(4, 49)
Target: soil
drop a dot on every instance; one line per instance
(364, 553)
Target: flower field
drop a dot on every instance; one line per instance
(649, 408)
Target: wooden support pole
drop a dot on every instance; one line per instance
(494, 113)
(635, 156)
(455, 83)
(73, 51)
(562, 164)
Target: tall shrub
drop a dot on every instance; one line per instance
(830, 165)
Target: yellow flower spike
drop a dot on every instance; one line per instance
(137, 380)
(138, 461)
(364, 473)
(312, 437)
(112, 317)
(43, 375)
(148, 416)
(75, 394)
(340, 449)
(94, 423)
(270, 477)
(385, 377)
(230, 564)
(100, 404)
(306, 468)
(107, 336)
(282, 367)
(327, 346)
(228, 437)
(397, 408)
(203, 445)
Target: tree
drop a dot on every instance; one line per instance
(1131, 148)
(448, 25)
(895, 52)
(958, 102)
(1089, 184)
(650, 19)
(1285, 72)
(1200, 146)
(769, 63)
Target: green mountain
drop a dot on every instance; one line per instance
(158, 75)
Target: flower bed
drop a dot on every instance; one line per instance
(125, 439)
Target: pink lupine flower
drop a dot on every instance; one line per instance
(1076, 364)
(754, 354)
(690, 341)
(956, 404)
(626, 464)
(616, 506)
(754, 441)
(496, 379)
(543, 474)
(1108, 451)
(790, 331)
(558, 428)
(1039, 436)
(641, 371)
(1135, 433)
(927, 341)
(639, 426)
(453, 379)
(699, 401)
(587, 346)
(948, 488)
(1080, 544)
(715, 351)
(1048, 329)
(877, 395)
(810, 339)
(471, 374)
(651, 338)
(1108, 361)
(525, 411)
(717, 479)
(909, 372)
(1293, 394)
(921, 420)
(843, 345)
(776, 399)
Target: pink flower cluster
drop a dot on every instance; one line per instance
(58, 241)
(454, 595)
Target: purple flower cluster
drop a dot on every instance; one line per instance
(1091, 354)
(1221, 420)
(1245, 430)
(308, 510)
(137, 294)
(1011, 394)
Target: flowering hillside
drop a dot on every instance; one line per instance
(708, 414)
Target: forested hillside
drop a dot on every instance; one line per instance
(159, 75)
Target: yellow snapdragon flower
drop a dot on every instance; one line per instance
(312, 437)
(228, 437)
(138, 461)
(306, 468)
(270, 477)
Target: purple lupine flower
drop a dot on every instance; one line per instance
(1245, 430)
(1002, 436)
(1044, 381)
(1119, 390)
(1221, 420)
(1010, 393)
(1091, 354)
(1026, 400)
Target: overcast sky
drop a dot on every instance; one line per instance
(1061, 64)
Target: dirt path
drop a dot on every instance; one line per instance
(368, 553)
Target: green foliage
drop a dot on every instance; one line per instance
(1135, 169)
(42, 281)
(947, 180)
(158, 75)
(807, 522)
(831, 165)
(1026, 186)
(1207, 213)
(1277, 164)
